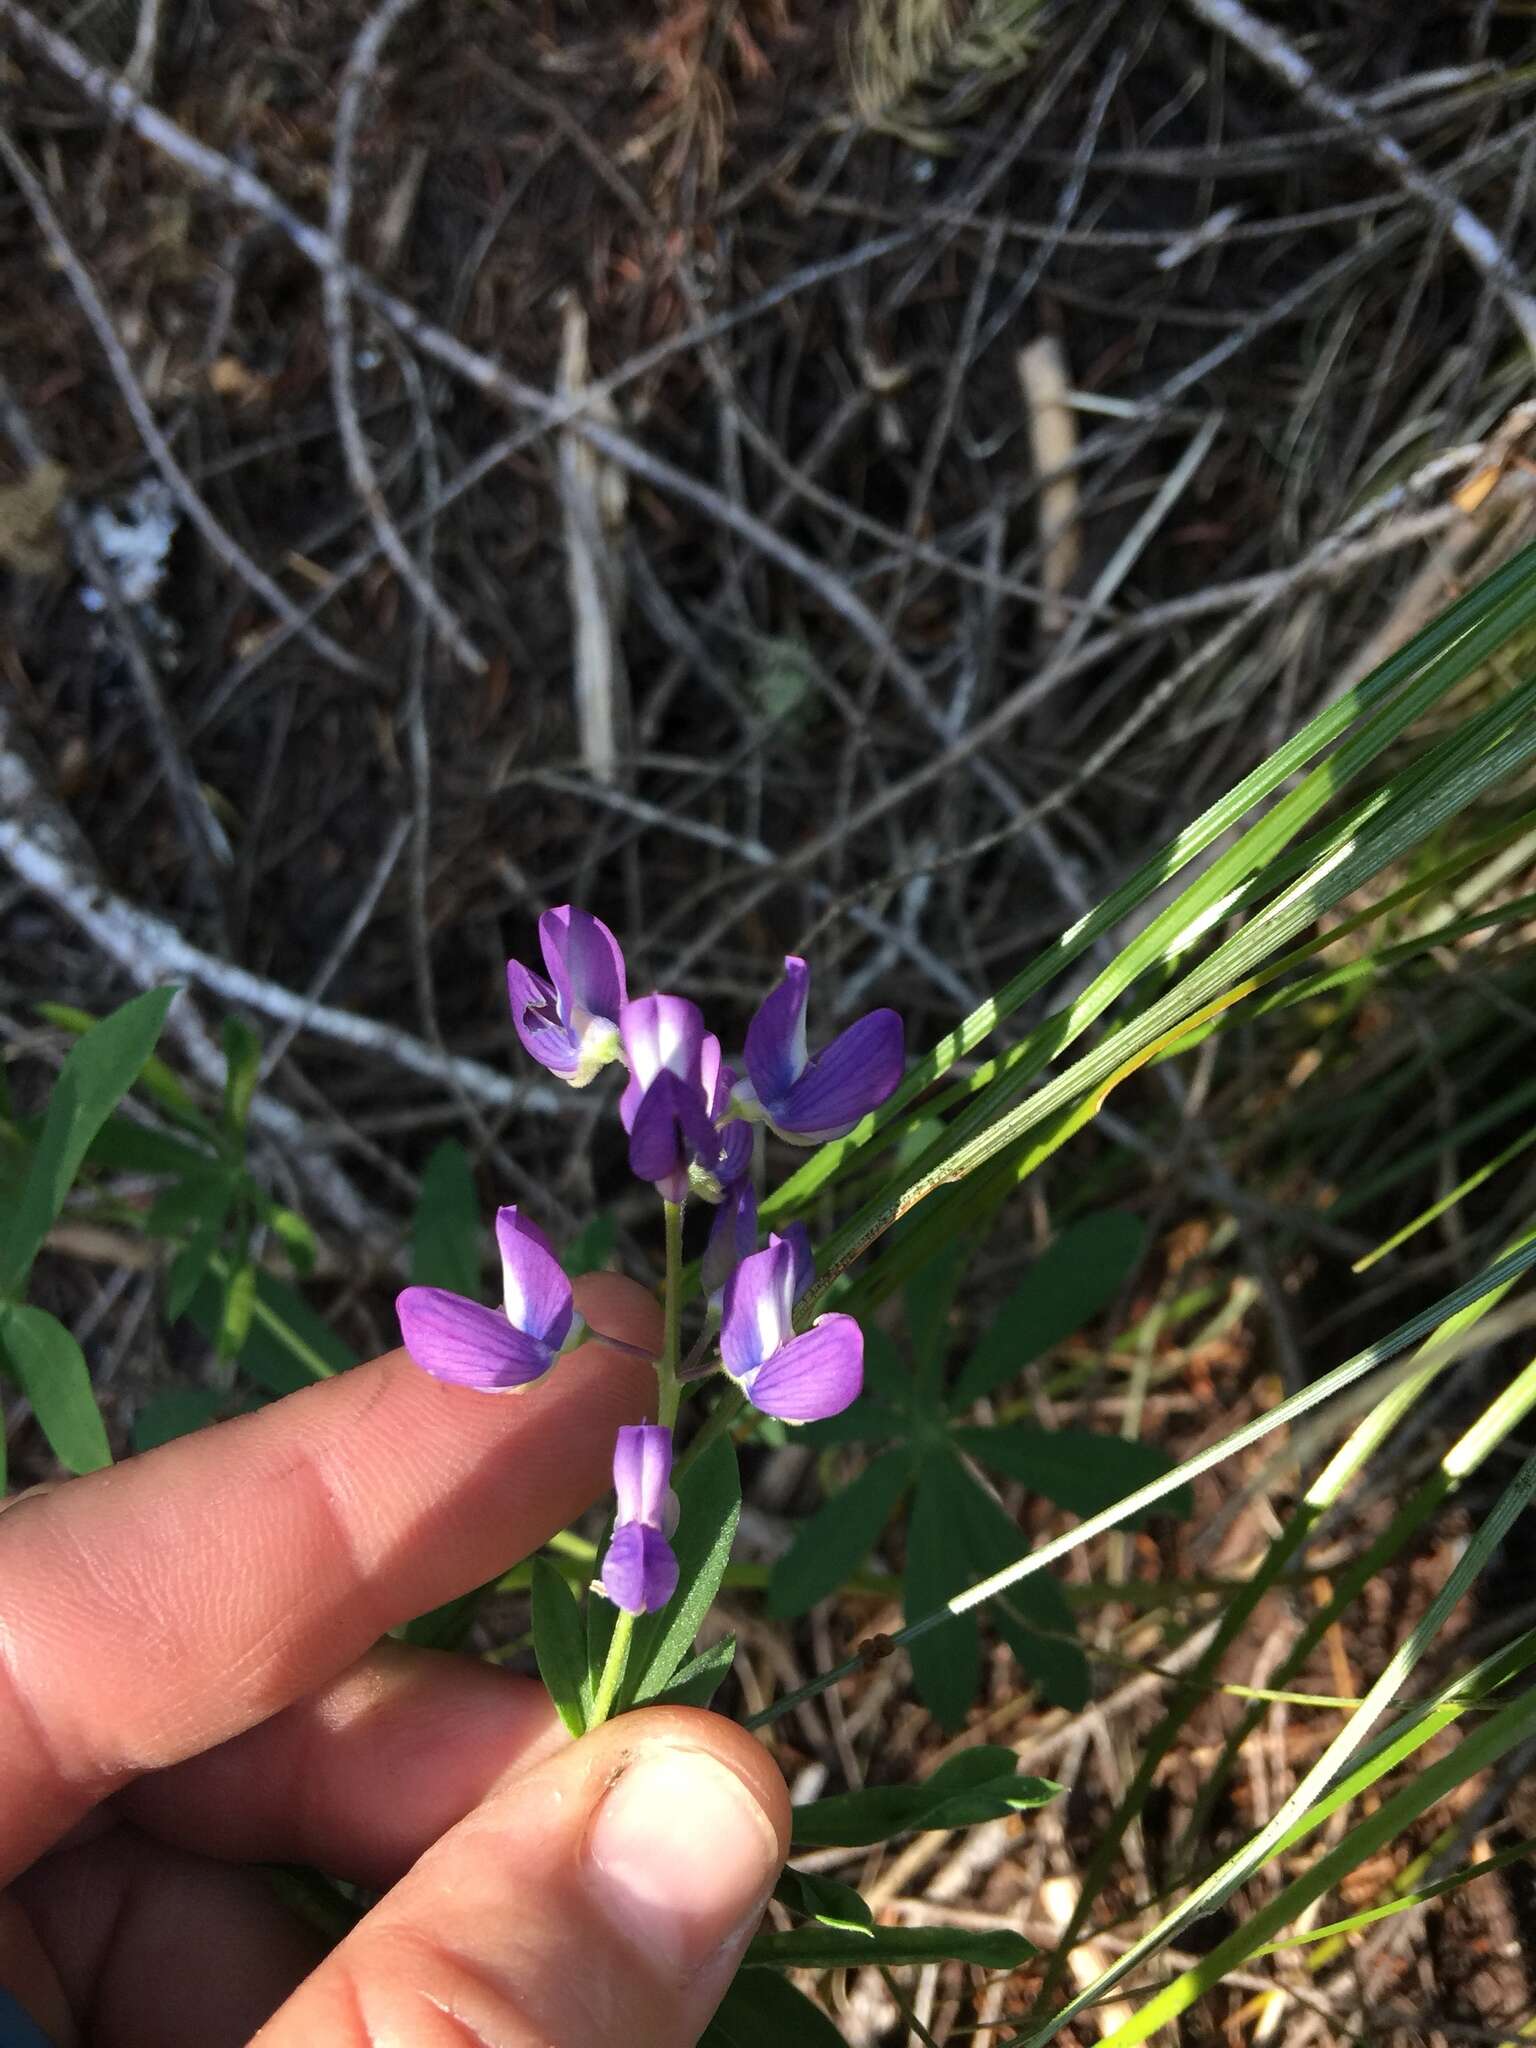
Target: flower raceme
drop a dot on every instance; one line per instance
(807, 1101)
(640, 1571)
(688, 1119)
(801, 1378)
(496, 1349)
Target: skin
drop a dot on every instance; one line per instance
(192, 1683)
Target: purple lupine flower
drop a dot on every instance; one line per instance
(674, 1068)
(661, 1035)
(732, 1238)
(798, 1237)
(640, 1571)
(570, 1023)
(730, 1154)
(809, 1100)
(798, 1379)
(496, 1349)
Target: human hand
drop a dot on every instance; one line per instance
(192, 1681)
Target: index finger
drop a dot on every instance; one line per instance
(152, 1610)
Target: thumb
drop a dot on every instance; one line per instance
(605, 1896)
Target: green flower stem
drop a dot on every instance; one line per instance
(613, 1671)
(668, 1385)
(717, 1423)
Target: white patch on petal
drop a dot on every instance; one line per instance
(770, 1329)
(670, 1044)
(513, 1296)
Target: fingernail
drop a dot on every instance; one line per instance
(682, 1856)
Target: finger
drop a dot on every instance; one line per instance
(155, 1609)
(156, 1949)
(439, 1731)
(605, 1896)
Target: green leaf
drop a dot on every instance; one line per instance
(823, 1899)
(242, 1070)
(709, 1505)
(884, 1407)
(189, 1271)
(1080, 1469)
(832, 1545)
(866, 1421)
(592, 1247)
(695, 1683)
(445, 1627)
(445, 1237)
(294, 1235)
(559, 1643)
(929, 1297)
(946, 1663)
(974, 1785)
(826, 1948)
(1067, 1285)
(156, 1080)
(239, 1307)
(768, 2012)
(1033, 1617)
(125, 1145)
(98, 1072)
(288, 1345)
(176, 1412)
(198, 1202)
(602, 1619)
(55, 1378)
(887, 1375)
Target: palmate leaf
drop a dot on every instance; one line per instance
(884, 1407)
(1069, 1284)
(1082, 1470)
(957, 1534)
(1033, 1619)
(950, 1614)
(929, 1298)
(832, 1545)
(946, 1665)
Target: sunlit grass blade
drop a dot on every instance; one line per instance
(1371, 1359)
(1304, 1807)
(1419, 1895)
(1447, 651)
(1483, 1746)
(1477, 755)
